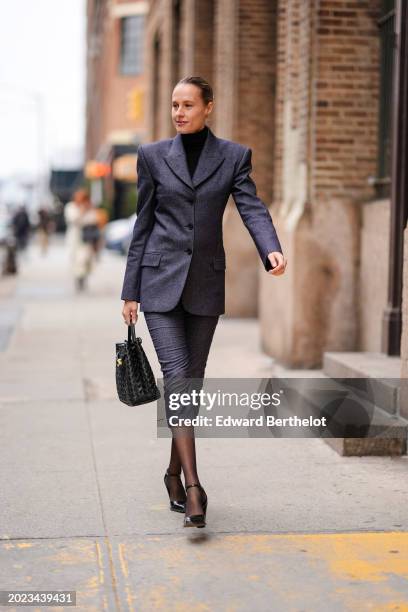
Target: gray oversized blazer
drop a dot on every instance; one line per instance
(177, 245)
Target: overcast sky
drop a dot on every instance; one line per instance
(42, 50)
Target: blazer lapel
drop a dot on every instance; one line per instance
(209, 160)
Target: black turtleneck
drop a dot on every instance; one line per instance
(193, 144)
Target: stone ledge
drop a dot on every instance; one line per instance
(383, 371)
(386, 434)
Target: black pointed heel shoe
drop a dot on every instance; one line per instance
(178, 505)
(197, 520)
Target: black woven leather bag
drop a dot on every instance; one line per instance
(135, 382)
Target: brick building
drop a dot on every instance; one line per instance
(116, 87)
(307, 86)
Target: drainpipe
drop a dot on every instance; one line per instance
(392, 316)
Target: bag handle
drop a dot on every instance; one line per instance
(132, 334)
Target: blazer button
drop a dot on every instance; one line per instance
(189, 251)
(190, 226)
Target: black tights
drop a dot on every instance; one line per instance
(182, 342)
(183, 456)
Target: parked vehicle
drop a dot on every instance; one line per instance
(118, 234)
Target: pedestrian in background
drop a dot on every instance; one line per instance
(21, 227)
(44, 228)
(176, 262)
(82, 237)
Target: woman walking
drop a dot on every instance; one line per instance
(176, 262)
(81, 237)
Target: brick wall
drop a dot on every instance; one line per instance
(204, 39)
(328, 79)
(108, 89)
(255, 91)
(225, 67)
(95, 86)
(326, 148)
(159, 69)
(346, 99)
(244, 83)
(293, 111)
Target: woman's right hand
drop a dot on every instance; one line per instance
(129, 312)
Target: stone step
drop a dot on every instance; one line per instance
(382, 372)
(345, 406)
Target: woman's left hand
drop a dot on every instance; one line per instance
(278, 262)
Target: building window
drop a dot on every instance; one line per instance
(387, 37)
(131, 45)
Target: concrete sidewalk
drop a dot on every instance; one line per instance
(291, 524)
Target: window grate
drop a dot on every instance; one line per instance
(132, 41)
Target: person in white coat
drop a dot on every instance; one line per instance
(82, 236)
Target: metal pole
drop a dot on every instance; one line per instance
(392, 316)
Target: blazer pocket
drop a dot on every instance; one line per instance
(219, 263)
(151, 259)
